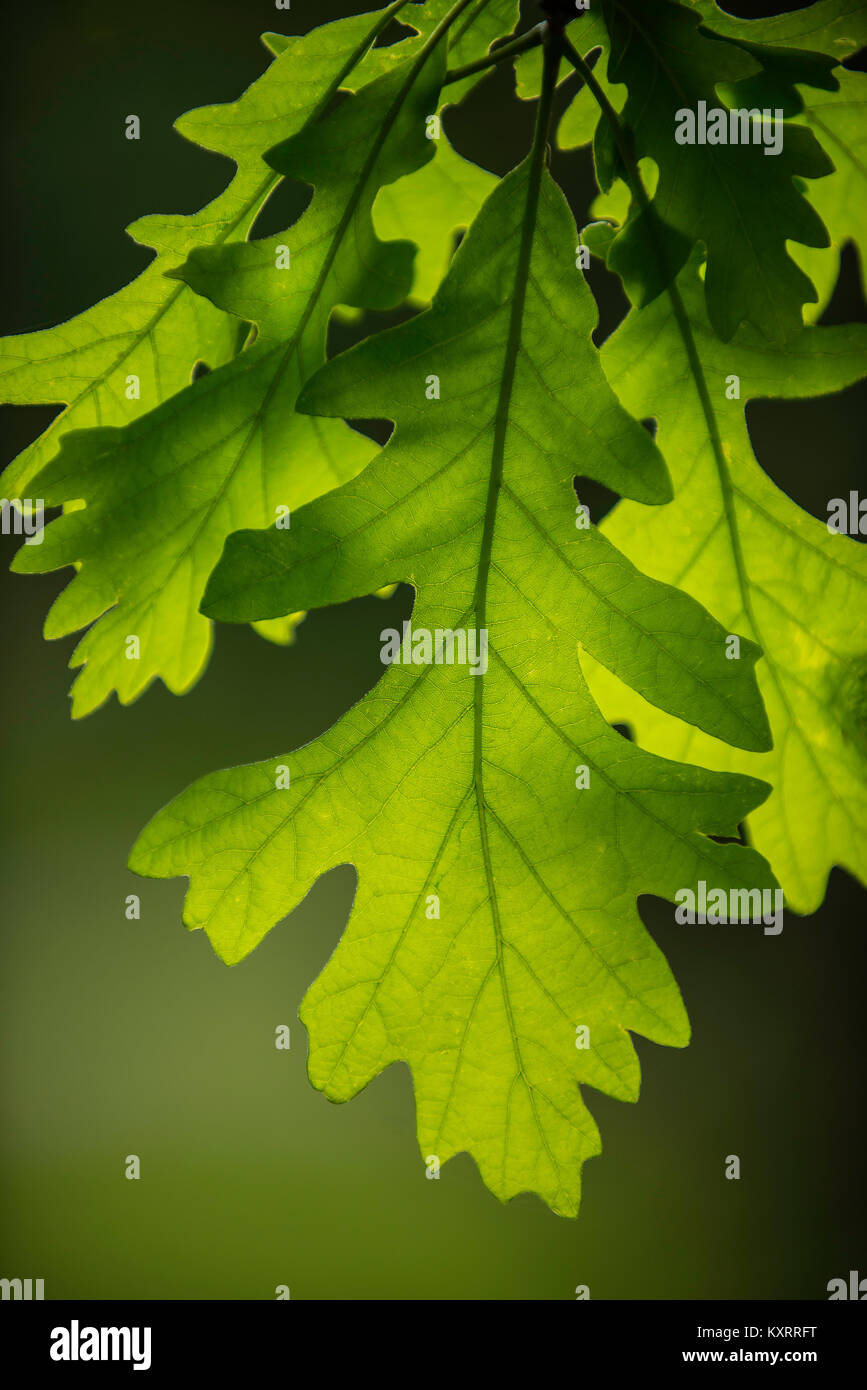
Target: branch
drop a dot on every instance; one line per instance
(531, 39)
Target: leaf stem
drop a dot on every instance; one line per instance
(523, 44)
(537, 159)
(522, 270)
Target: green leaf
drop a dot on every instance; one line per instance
(431, 205)
(581, 117)
(735, 542)
(741, 203)
(837, 28)
(280, 631)
(477, 28)
(496, 904)
(428, 207)
(834, 113)
(484, 23)
(837, 119)
(155, 329)
(781, 67)
(230, 450)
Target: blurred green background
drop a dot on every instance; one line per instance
(122, 1037)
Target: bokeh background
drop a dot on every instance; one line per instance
(124, 1037)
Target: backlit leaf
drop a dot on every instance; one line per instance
(496, 906)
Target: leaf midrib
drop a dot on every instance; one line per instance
(501, 427)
